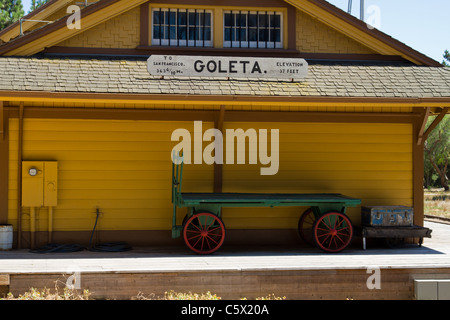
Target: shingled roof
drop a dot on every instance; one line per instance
(131, 77)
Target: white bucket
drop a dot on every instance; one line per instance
(6, 237)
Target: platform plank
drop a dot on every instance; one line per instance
(234, 272)
(434, 253)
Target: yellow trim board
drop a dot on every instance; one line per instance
(40, 15)
(30, 96)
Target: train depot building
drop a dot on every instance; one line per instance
(266, 97)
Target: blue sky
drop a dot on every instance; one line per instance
(422, 25)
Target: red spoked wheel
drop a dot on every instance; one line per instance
(204, 233)
(305, 226)
(333, 232)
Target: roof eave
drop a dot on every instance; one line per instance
(43, 96)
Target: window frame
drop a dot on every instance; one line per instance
(199, 43)
(247, 44)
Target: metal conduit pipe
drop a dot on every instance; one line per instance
(362, 8)
(21, 20)
(32, 227)
(50, 224)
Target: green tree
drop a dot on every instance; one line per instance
(446, 61)
(437, 155)
(36, 4)
(10, 12)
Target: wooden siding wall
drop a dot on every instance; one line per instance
(123, 168)
(119, 32)
(123, 32)
(314, 36)
(372, 162)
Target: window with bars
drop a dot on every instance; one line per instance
(182, 27)
(252, 29)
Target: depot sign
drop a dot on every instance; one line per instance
(228, 67)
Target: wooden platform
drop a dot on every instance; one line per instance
(236, 272)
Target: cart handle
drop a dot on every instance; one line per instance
(177, 175)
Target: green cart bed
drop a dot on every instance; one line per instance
(266, 199)
(324, 224)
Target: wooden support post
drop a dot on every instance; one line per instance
(144, 22)
(19, 178)
(420, 138)
(218, 168)
(2, 126)
(418, 173)
(436, 121)
(4, 163)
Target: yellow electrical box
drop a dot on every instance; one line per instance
(39, 183)
(32, 184)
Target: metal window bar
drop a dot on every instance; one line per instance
(160, 26)
(232, 20)
(267, 30)
(187, 27)
(274, 31)
(168, 25)
(177, 28)
(233, 28)
(204, 26)
(240, 29)
(257, 29)
(195, 28)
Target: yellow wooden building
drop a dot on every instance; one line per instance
(78, 104)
